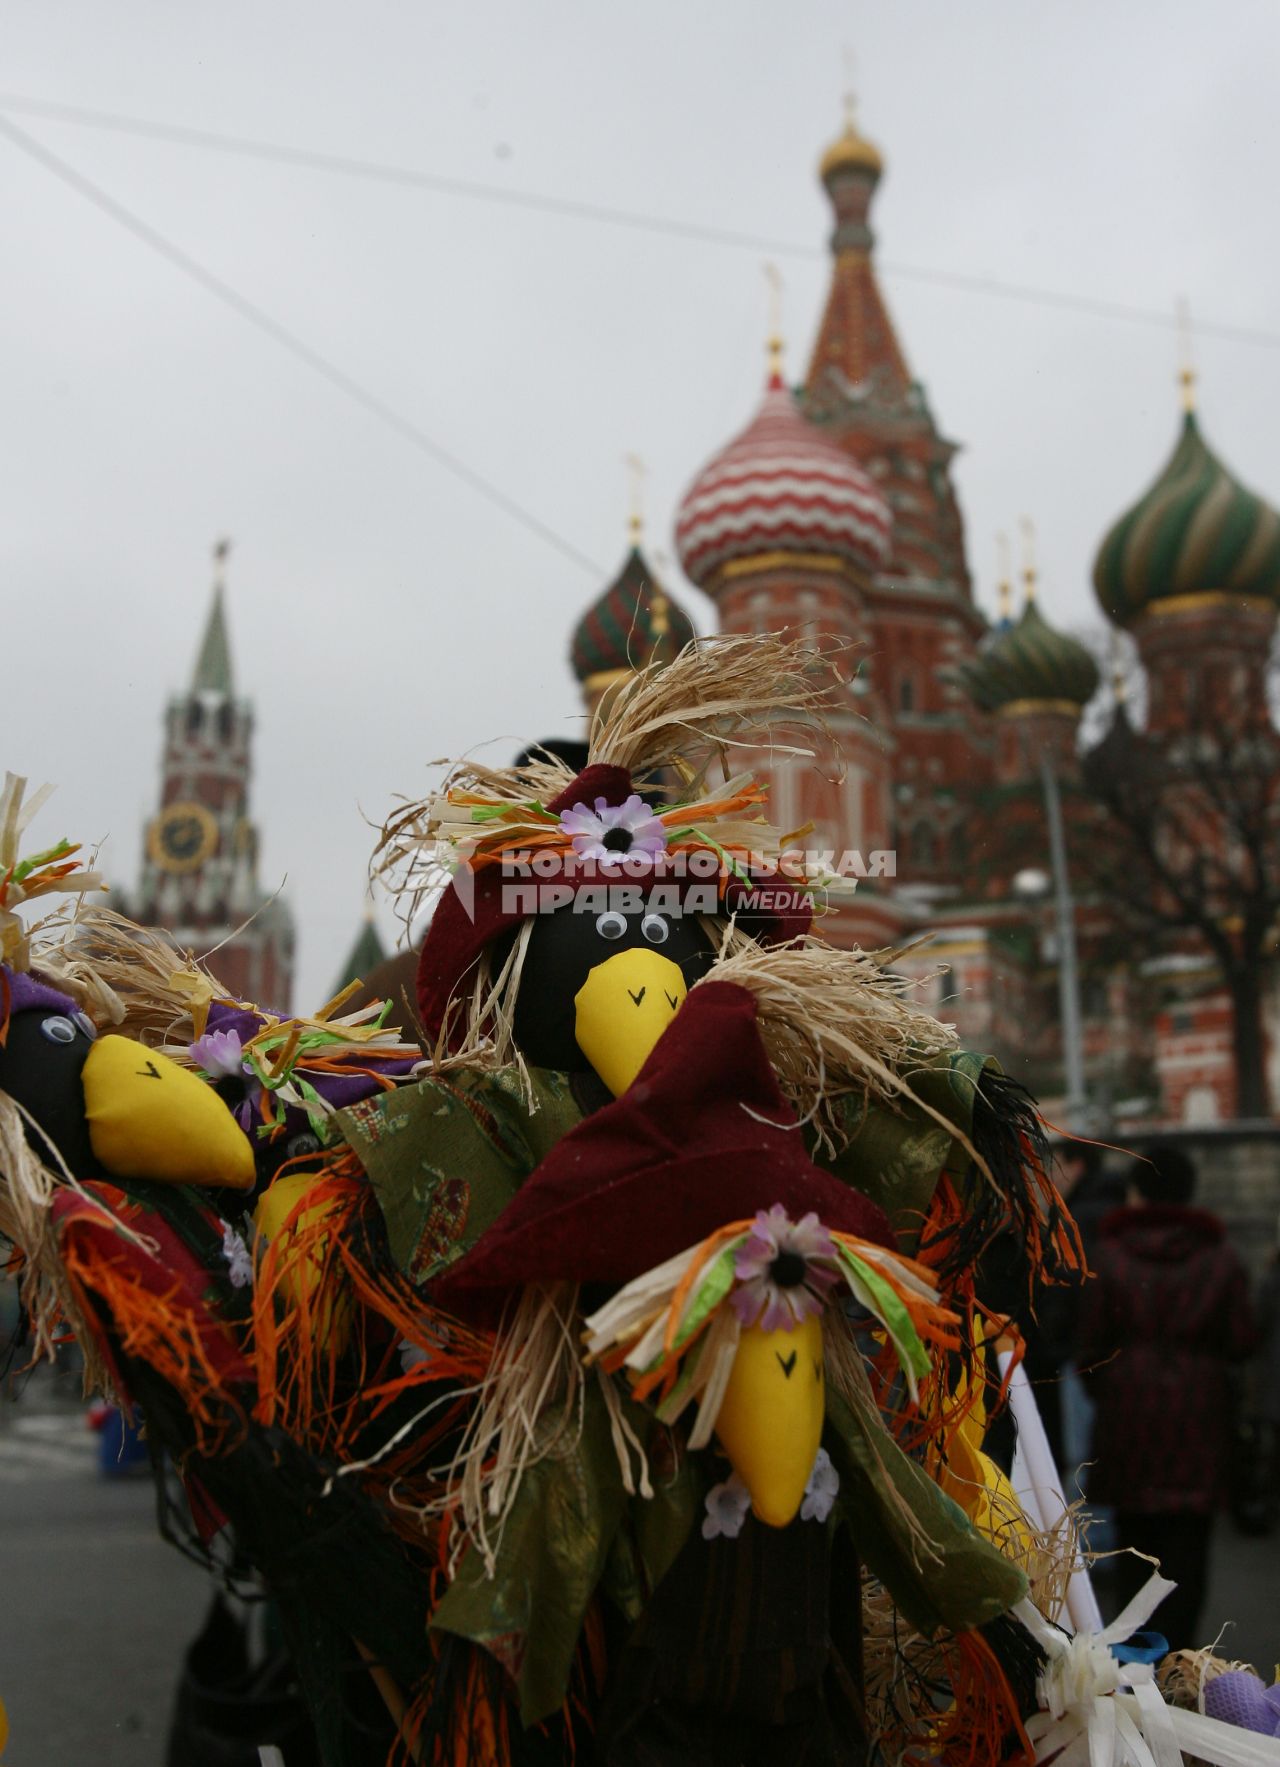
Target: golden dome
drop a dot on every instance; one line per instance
(850, 151)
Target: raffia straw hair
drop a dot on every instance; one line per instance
(755, 691)
(762, 694)
(846, 1372)
(527, 1406)
(1184, 1674)
(833, 1022)
(414, 862)
(486, 1016)
(26, 1201)
(134, 978)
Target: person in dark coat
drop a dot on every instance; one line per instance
(1267, 1392)
(1161, 1325)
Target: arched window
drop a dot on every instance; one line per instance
(1200, 1105)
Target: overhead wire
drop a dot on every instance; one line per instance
(280, 334)
(574, 209)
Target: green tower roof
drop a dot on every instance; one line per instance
(213, 664)
(366, 954)
(1032, 661)
(1197, 531)
(634, 622)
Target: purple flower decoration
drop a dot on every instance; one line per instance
(611, 833)
(821, 1491)
(239, 1259)
(411, 1356)
(219, 1053)
(727, 1507)
(785, 1271)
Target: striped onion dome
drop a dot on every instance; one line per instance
(1197, 531)
(1031, 664)
(632, 623)
(780, 487)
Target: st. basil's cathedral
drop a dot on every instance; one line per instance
(833, 514)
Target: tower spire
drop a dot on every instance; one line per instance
(774, 344)
(1186, 364)
(850, 90)
(1004, 586)
(636, 472)
(213, 663)
(1028, 559)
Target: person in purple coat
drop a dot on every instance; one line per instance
(1166, 1317)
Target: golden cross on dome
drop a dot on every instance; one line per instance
(850, 96)
(773, 276)
(1028, 557)
(1186, 367)
(637, 473)
(1004, 587)
(659, 606)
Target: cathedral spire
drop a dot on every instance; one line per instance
(857, 348)
(213, 664)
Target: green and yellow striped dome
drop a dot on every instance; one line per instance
(1029, 665)
(634, 622)
(1196, 532)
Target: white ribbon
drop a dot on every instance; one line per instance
(1038, 1488)
(1101, 1713)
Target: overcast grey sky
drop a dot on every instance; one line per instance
(383, 614)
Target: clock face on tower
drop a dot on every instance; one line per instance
(182, 837)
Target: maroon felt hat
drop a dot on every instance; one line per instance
(703, 1137)
(473, 911)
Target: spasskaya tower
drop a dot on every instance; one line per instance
(200, 853)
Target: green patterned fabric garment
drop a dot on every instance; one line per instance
(445, 1156)
(573, 1531)
(896, 1153)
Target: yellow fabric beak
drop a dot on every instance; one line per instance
(623, 1007)
(149, 1118)
(770, 1420)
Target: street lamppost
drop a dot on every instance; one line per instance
(1033, 885)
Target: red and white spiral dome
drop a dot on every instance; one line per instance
(780, 487)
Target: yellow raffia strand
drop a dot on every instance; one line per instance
(50, 872)
(199, 991)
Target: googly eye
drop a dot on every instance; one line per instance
(85, 1023)
(58, 1029)
(302, 1143)
(655, 929)
(611, 924)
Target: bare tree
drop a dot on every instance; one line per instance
(1186, 851)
